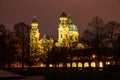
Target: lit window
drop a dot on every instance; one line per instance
(79, 64)
(93, 64)
(86, 64)
(107, 63)
(68, 64)
(42, 65)
(50, 65)
(74, 64)
(61, 35)
(61, 65)
(100, 64)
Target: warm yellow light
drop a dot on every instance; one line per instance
(93, 56)
(61, 65)
(74, 64)
(34, 24)
(79, 64)
(86, 64)
(50, 65)
(68, 65)
(107, 63)
(93, 64)
(100, 64)
(63, 18)
(79, 46)
(42, 65)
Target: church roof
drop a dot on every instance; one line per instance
(47, 37)
(63, 14)
(69, 20)
(72, 27)
(34, 20)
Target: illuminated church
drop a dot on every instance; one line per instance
(67, 38)
(67, 34)
(67, 31)
(38, 45)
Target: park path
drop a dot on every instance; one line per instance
(34, 78)
(4, 73)
(13, 76)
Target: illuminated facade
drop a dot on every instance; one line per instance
(34, 37)
(67, 31)
(39, 46)
(67, 34)
(67, 37)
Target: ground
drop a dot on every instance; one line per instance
(59, 74)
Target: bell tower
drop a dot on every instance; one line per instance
(34, 29)
(34, 35)
(63, 30)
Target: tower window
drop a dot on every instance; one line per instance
(60, 31)
(66, 36)
(61, 35)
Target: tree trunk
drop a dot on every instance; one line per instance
(23, 54)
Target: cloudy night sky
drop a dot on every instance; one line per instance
(48, 12)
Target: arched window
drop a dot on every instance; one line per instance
(79, 64)
(86, 64)
(68, 64)
(101, 64)
(61, 35)
(74, 64)
(93, 64)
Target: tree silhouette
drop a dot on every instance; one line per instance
(112, 30)
(2, 45)
(57, 55)
(94, 35)
(22, 31)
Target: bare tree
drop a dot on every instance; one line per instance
(2, 45)
(22, 31)
(94, 35)
(112, 30)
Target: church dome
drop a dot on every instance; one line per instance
(44, 39)
(72, 27)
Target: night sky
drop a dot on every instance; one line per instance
(48, 12)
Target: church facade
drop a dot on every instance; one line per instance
(78, 54)
(67, 34)
(39, 45)
(67, 31)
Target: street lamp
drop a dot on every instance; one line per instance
(93, 56)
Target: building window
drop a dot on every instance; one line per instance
(74, 64)
(86, 64)
(66, 35)
(60, 31)
(80, 64)
(93, 64)
(61, 35)
(100, 64)
(68, 65)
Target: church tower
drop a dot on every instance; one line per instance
(67, 31)
(63, 30)
(34, 35)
